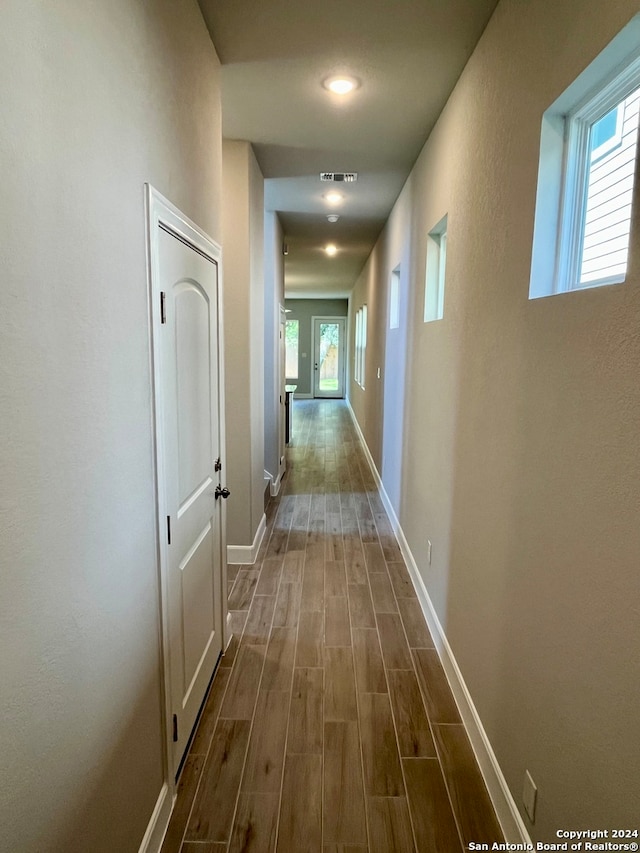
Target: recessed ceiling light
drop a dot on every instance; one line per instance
(341, 85)
(333, 217)
(330, 249)
(334, 197)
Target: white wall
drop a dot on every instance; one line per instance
(243, 254)
(97, 98)
(273, 300)
(521, 451)
(256, 338)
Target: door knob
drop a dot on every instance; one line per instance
(222, 493)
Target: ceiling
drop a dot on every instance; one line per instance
(275, 54)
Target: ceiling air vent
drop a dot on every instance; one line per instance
(339, 177)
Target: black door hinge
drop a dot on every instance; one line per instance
(175, 728)
(168, 530)
(163, 310)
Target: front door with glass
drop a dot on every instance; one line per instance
(329, 346)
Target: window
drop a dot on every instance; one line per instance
(606, 134)
(360, 345)
(394, 299)
(435, 273)
(605, 224)
(291, 336)
(586, 176)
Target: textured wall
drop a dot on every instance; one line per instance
(256, 339)
(96, 99)
(243, 250)
(521, 450)
(273, 299)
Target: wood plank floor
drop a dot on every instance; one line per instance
(330, 726)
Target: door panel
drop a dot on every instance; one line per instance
(190, 431)
(329, 349)
(198, 617)
(196, 433)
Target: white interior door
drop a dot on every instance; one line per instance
(329, 348)
(187, 374)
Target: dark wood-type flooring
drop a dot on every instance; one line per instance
(330, 725)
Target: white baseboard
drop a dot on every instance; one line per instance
(515, 831)
(274, 485)
(282, 470)
(228, 633)
(154, 836)
(245, 555)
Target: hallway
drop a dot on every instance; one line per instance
(330, 725)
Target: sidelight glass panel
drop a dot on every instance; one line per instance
(292, 334)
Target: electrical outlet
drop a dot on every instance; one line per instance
(529, 796)
(429, 551)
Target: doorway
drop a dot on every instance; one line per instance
(329, 347)
(395, 370)
(189, 439)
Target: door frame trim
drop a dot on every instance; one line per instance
(160, 213)
(343, 372)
